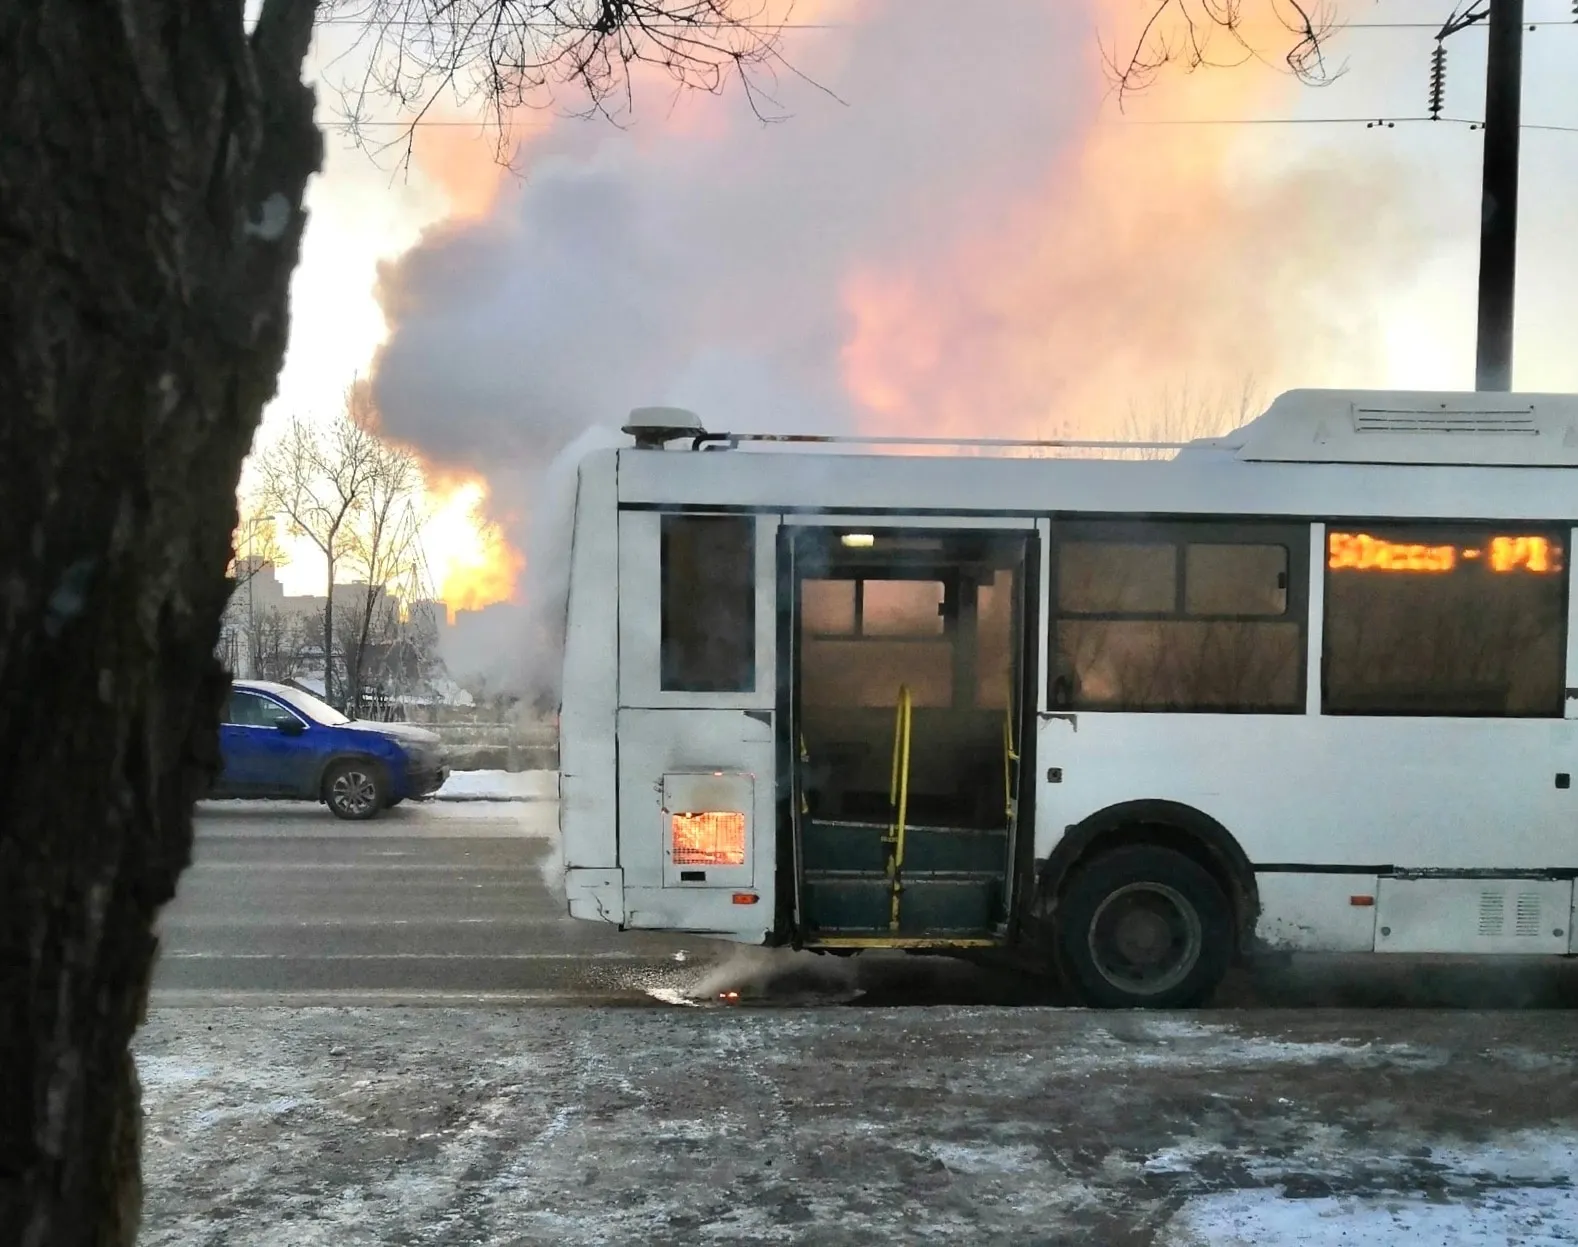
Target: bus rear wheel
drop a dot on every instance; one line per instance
(1144, 927)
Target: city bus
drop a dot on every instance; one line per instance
(1309, 686)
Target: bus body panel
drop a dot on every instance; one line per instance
(659, 750)
(1330, 791)
(1195, 483)
(1364, 831)
(588, 819)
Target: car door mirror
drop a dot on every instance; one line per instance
(291, 727)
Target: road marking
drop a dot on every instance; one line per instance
(505, 922)
(223, 998)
(454, 868)
(411, 957)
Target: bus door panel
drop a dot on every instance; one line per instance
(697, 715)
(910, 672)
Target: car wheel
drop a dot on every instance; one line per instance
(354, 790)
(1144, 927)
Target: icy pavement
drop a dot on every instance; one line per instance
(832, 1126)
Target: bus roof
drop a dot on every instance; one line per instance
(1315, 453)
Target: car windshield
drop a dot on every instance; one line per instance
(317, 711)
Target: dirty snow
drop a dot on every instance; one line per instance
(692, 1125)
(1520, 1216)
(500, 786)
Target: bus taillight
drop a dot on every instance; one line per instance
(708, 838)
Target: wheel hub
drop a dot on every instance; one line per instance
(1145, 938)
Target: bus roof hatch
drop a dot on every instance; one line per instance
(1412, 427)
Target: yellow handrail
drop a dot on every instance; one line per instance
(1009, 758)
(899, 796)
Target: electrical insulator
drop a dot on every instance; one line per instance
(1438, 78)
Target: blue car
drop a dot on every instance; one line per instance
(280, 743)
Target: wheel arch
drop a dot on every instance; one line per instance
(1166, 824)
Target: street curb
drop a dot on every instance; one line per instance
(464, 797)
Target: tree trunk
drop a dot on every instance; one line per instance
(151, 179)
(328, 638)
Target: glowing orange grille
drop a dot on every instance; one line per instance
(710, 838)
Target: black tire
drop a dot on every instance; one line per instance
(355, 790)
(1144, 928)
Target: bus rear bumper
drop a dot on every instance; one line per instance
(596, 894)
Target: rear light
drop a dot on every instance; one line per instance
(746, 898)
(708, 838)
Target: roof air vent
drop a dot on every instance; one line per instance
(655, 427)
(1446, 420)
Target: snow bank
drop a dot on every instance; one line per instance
(500, 786)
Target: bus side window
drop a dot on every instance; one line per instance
(1451, 620)
(709, 604)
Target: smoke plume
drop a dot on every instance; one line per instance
(948, 238)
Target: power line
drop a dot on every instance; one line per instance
(1369, 122)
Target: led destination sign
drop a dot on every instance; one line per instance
(1535, 555)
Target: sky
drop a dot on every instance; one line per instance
(946, 229)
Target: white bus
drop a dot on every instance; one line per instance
(1308, 687)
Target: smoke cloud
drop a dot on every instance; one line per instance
(955, 243)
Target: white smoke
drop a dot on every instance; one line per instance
(700, 259)
(548, 564)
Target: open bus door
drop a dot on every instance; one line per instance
(912, 657)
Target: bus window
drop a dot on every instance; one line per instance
(709, 604)
(1235, 580)
(1454, 621)
(901, 608)
(864, 638)
(1100, 577)
(1178, 617)
(994, 630)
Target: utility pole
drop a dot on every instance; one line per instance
(1498, 229)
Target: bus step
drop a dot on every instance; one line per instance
(863, 846)
(952, 901)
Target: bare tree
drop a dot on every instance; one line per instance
(1195, 34)
(280, 643)
(317, 479)
(354, 496)
(384, 554)
(1187, 413)
(256, 542)
(145, 326)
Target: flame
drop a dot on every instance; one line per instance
(472, 563)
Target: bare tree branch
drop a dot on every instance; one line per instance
(508, 55)
(1189, 33)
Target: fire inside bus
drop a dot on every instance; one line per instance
(1307, 687)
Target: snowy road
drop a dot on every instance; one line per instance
(445, 903)
(1267, 1121)
(488, 1128)
(430, 904)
